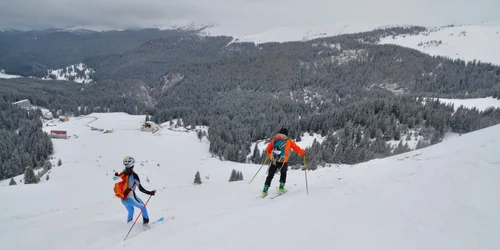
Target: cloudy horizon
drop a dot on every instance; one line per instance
(240, 16)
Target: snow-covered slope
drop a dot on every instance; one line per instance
(294, 33)
(480, 104)
(466, 42)
(79, 73)
(441, 197)
(7, 76)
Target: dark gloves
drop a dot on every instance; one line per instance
(152, 192)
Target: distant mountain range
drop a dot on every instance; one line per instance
(360, 83)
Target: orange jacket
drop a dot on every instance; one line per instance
(288, 145)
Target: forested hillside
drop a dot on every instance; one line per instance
(151, 59)
(33, 53)
(23, 145)
(67, 98)
(325, 86)
(358, 95)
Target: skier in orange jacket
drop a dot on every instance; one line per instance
(279, 153)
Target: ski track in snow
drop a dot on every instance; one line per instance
(441, 197)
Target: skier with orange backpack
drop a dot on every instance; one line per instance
(279, 151)
(125, 190)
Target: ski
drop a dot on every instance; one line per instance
(271, 196)
(151, 225)
(277, 195)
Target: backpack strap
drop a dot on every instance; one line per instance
(281, 145)
(280, 148)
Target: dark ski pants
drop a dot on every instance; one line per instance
(272, 170)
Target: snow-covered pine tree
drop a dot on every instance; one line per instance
(47, 165)
(197, 178)
(200, 135)
(233, 176)
(12, 182)
(256, 155)
(29, 176)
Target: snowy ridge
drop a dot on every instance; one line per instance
(440, 197)
(80, 31)
(294, 33)
(465, 42)
(186, 25)
(79, 73)
(3, 75)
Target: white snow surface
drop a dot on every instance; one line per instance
(467, 42)
(7, 76)
(444, 196)
(292, 33)
(480, 104)
(79, 73)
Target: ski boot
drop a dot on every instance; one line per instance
(264, 192)
(145, 222)
(282, 187)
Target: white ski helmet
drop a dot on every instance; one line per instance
(129, 162)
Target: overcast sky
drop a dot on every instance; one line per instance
(239, 15)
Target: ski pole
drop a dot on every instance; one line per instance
(305, 172)
(138, 217)
(259, 169)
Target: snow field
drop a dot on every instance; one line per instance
(467, 42)
(480, 104)
(440, 197)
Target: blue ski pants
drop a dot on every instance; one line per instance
(130, 203)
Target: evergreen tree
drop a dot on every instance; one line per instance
(200, 135)
(47, 165)
(12, 182)
(256, 156)
(29, 176)
(197, 178)
(59, 163)
(233, 176)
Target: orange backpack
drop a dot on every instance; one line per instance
(121, 186)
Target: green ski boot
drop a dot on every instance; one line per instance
(264, 192)
(282, 187)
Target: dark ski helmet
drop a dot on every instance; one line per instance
(284, 131)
